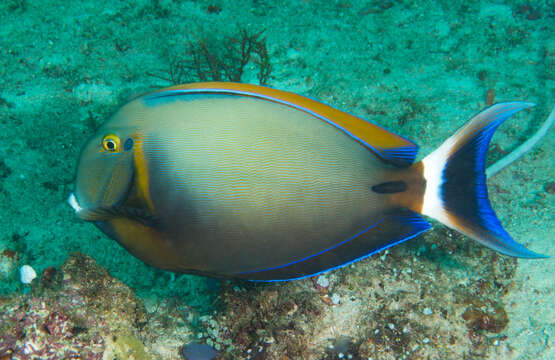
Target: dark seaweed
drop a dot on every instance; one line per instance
(220, 59)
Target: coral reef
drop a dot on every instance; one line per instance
(77, 312)
(8, 260)
(81, 311)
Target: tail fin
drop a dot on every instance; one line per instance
(456, 192)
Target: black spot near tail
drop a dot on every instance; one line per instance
(390, 187)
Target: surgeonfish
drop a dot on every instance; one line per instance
(244, 181)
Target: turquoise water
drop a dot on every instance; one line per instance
(419, 68)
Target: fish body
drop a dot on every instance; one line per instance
(237, 180)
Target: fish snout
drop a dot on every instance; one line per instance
(72, 201)
(81, 212)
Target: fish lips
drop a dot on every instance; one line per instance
(88, 214)
(103, 180)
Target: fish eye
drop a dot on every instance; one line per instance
(111, 142)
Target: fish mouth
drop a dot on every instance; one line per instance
(105, 213)
(72, 201)
(86, 214)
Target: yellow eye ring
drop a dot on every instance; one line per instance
(111, 143)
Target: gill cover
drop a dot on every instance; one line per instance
(104, 176)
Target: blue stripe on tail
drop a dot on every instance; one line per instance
(464, 191)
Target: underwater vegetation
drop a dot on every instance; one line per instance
(209, 58)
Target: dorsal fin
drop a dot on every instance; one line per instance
(386, 144)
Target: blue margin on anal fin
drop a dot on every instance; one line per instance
(393, 229)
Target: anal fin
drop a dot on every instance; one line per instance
(392, 229)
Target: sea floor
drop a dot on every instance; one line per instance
(420, 68)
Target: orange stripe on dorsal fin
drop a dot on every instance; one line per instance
(386, 144)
